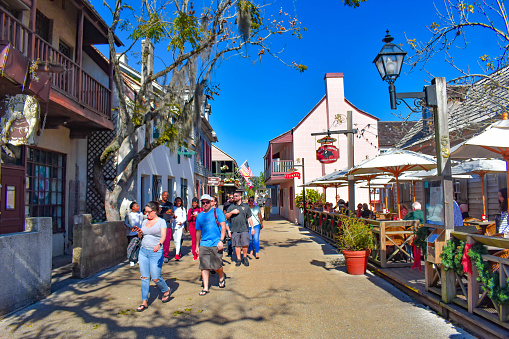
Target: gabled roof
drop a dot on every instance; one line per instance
(220, 155)
(283, 138)
(470, 108)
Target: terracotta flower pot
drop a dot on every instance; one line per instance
(356, 261)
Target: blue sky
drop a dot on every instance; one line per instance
(258, 102)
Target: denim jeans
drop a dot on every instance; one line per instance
(150, 268)
(254, 240)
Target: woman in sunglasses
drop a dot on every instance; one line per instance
(153, 233)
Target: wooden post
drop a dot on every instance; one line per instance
(383, 246)
(483, 195)
(443, 147)
(473, 284)
(448, 280)
(79, 53)
(33, 12)
(503, 310)
(350, 151)
(428, 274)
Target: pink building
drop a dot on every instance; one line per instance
(284, 150)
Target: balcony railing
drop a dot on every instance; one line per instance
(74, 82)
(279, 167)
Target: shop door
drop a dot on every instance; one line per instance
(12, 200)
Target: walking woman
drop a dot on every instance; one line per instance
(180, 217)
(254, 234)
(191, 219)
(153, 234)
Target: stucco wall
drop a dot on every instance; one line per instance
(64, 22)
(25, 265)
(95, 71)
(97, 246)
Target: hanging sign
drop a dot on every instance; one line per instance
(213, 181)
(292, 175)
(327, 154)
(20, 120)
(327, 140)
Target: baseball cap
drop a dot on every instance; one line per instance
(205, 197)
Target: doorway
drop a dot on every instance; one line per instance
(12, 206)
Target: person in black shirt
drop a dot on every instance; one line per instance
(366, 213)
(167, 215)
(239, 214)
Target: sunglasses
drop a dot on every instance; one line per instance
(205, 202)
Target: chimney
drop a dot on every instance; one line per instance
(334, 89)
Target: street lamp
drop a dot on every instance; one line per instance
(389, 62)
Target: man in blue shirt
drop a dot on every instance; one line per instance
(210, 232)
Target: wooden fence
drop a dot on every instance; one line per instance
(392, 238)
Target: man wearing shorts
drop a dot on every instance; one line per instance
(210, 232)
(240, 219)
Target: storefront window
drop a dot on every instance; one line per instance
(45, 186)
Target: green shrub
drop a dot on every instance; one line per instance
(355, 235)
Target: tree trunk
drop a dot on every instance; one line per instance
(111, 204)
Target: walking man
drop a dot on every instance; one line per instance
(240, 219)
(210, 232)
(167, 214)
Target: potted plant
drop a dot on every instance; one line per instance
(356, 243)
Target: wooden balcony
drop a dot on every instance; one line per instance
(76, 98)
(275, 174)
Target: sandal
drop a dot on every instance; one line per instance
(222, 283)
(166, 297)
(141, 308)
(202, 293)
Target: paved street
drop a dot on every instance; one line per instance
(298, 288)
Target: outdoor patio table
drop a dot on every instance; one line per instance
(481, 225)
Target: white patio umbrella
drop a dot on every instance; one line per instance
(492, 143)
(481, 167)
(395, 161)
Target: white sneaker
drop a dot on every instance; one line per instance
(131, 263)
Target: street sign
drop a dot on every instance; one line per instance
(213, 181)
(327, 154)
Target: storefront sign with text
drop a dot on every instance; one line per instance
(292, 175)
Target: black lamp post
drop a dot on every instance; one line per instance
(389, 62)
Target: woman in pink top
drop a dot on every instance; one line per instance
(191, 219)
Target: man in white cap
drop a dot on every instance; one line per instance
(210, 232)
